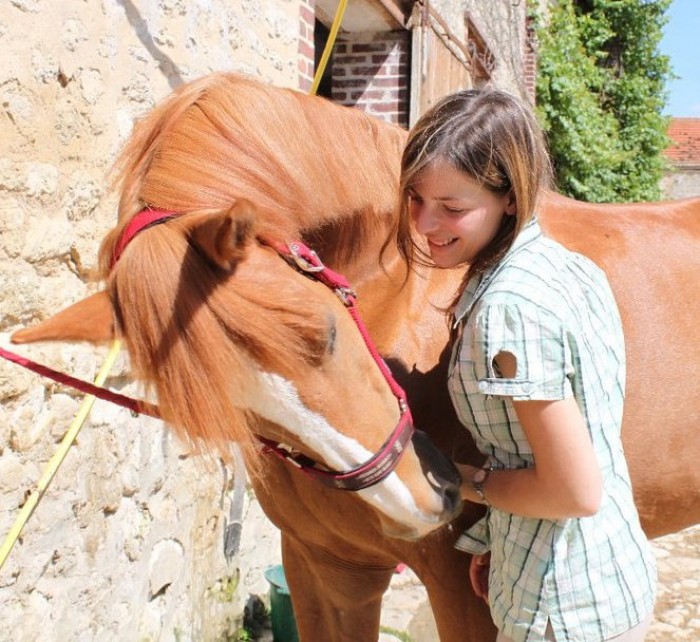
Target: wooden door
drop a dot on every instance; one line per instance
(441, 61)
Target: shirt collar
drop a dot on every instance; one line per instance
(478, 283)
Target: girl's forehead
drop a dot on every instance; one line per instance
(441, 178)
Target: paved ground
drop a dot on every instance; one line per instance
(678, 608)
(406, 615)
(677, 613)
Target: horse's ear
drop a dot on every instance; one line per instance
(223, 236)
(91, 320)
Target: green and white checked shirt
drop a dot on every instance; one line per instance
(592, 577)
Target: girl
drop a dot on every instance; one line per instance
(537, 376)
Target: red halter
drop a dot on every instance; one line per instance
(372, 471)
(142, 221)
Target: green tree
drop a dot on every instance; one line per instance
(600, 95)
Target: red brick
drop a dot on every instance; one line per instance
(351, 60)
(364, 71)
(369, 47)
(306, 50)
(307, 15)
(685, 136)
(384, 107)
(370, 94)
(387, 82)
(348, 83)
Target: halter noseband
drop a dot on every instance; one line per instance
(367, 474)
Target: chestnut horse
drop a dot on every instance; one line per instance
(328, 174)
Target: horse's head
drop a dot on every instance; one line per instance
(236, 343)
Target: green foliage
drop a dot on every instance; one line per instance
(401, 635)
(224, 589)
(600, 95)
(242, 635)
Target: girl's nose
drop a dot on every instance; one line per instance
(424, 218)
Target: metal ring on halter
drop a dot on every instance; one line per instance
(303, 263)
(346, 295)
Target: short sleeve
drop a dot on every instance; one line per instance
(538, 341)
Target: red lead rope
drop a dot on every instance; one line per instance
(307, 260)
(135, 405)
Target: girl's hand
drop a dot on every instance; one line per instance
(479, 575)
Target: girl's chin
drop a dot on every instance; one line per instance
(446, 259)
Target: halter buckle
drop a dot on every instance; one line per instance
(304, 264)
(346, 295)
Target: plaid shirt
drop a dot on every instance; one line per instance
(592, 577)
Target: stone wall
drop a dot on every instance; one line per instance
(128, 541)
(681, 182)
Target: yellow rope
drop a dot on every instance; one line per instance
(84, 411)
(57, 459)
(329, 45)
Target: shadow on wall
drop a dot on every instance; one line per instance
(140, 25)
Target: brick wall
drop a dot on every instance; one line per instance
(306, 44)
(371, 72)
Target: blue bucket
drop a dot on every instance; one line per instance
(284, 626)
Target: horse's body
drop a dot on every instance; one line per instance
(330, 175)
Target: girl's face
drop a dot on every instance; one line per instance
(457, 216)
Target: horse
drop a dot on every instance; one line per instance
(246, 166)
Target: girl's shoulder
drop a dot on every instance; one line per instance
(549, 263)
(547, 276)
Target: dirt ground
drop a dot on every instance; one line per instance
(406, 615)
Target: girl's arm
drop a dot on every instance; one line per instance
(565, 480)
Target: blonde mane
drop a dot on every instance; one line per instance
(306, 165)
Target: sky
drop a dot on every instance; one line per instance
(681, 41)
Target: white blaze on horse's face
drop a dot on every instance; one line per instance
(277, 400)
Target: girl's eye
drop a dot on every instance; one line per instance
(415, 198)
(453, 210)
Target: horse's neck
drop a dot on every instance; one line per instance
(395, 303)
